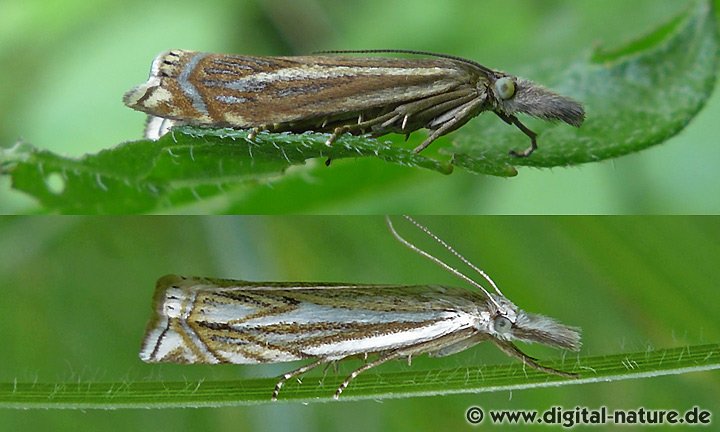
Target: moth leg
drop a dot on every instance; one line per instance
(533, 142)
(435, 135)
(430, 107)
(336, 134)
(256, 130)
(327, 366)
(512, 120)
(444, 110)
(360, 126)
(460, 118)
(514, 351)
(299, 371)
(384, 119)
(380, 360)
(422, 347)
(387, 123)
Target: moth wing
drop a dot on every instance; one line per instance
(169, 337)
(336, 321)
(246, 91)
(223, 321)
(337, 87)
(196, 321)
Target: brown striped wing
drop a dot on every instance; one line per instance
(245, 91)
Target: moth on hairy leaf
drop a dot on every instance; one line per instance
(339, 94)
(210, 321)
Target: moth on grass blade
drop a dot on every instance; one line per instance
(206, 320)
(339, 94)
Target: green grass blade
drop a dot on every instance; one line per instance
(142, 394)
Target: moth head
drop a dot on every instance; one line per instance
(153, 96)
(508, 322)
(515, 95)
(135, 97)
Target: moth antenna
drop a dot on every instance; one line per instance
(454, 252)
(438, 261)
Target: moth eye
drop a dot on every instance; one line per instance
(502, 325)
(505, 88)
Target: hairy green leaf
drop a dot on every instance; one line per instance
(635, 96)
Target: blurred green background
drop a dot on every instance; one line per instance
(76, 296)
(72, 60)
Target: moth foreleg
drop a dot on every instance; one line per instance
(513, 351)
(532, 135)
